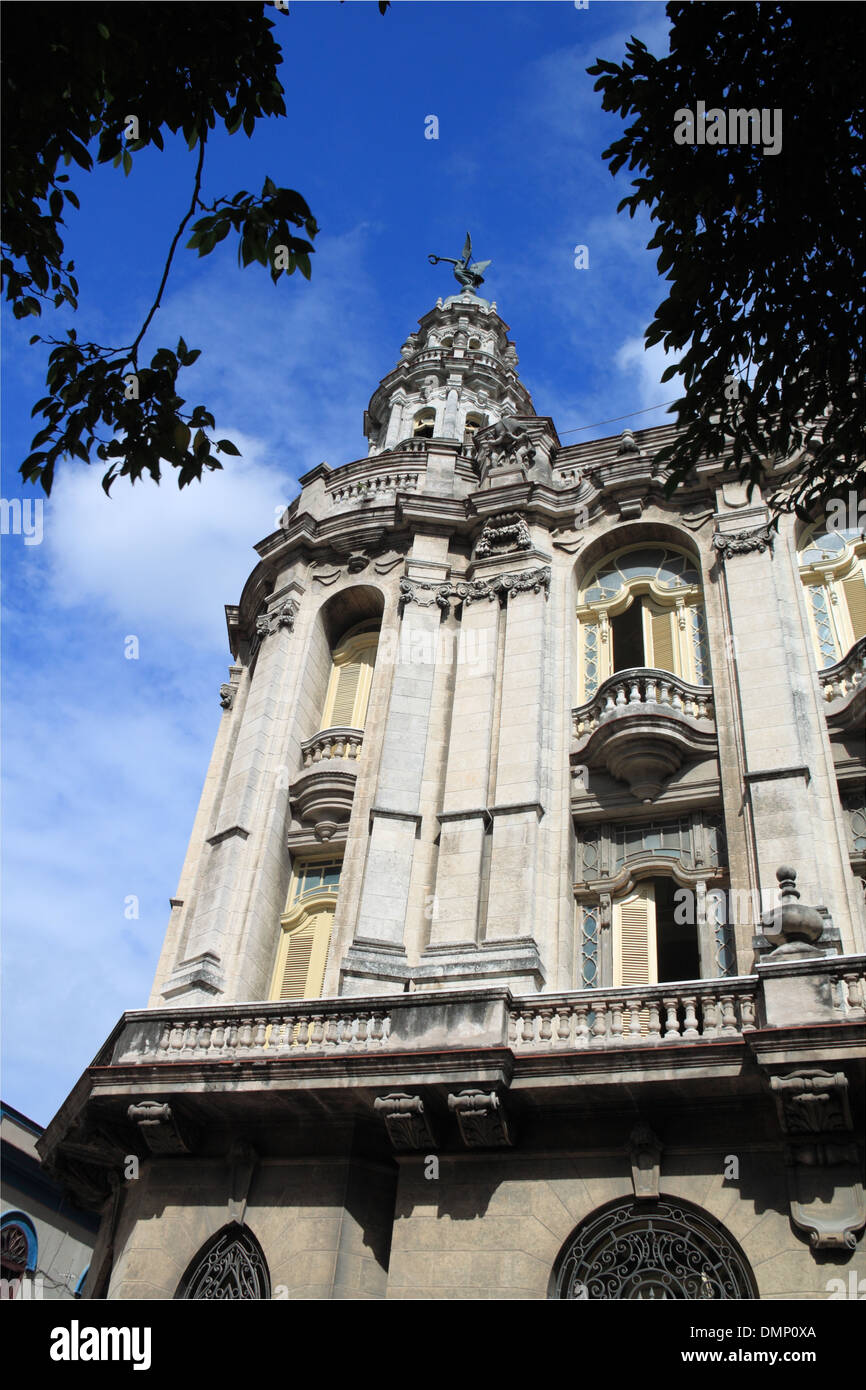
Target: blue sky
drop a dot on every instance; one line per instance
(104, 757)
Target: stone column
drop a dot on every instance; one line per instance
(393, 434)
(787, 772)
(449, 424)
(518, 806)
(377, 952)
(228, 865)
(464, 816)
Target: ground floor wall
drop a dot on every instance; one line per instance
(487, 1225)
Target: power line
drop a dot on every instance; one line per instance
(616, 418)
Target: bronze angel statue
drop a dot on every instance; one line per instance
(468, 276)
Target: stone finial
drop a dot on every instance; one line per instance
(628, 444)
(790, 920)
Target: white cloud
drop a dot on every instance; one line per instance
(160, 555)
(646, 365)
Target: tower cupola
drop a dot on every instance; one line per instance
(457, 375)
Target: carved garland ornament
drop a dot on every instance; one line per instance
(741, 542)
(503, 533)
(426, 594)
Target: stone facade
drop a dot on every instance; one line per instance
(498, 1043)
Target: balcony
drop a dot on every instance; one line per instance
(642, 725)
(322, 796)
(476, 1068)
(844, 689)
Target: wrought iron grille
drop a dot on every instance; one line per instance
(231, 1266)
(657, 1250)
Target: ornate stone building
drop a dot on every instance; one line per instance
(487, 947)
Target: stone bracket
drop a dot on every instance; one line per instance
(159, 1128)
(242, 1160)
(825, 1190)
(407, 1123)
(481, 1118)
(645, 1151)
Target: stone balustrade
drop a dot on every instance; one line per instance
(684, 1012)
(364, 486)
(839, 681)
(643, 686)
(332, 743)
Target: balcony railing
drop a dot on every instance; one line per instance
(687, 1011)
(627, 690)
(839, 681)
(683, 1013)
(338, 742)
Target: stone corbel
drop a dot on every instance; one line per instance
(824, 1185)
(645, 1152)
(159, 1128)
(242, 1159)
(482, 1119)
(407, 1125)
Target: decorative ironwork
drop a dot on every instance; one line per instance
(653, 1250)
(232, 1266)
(14, 1248)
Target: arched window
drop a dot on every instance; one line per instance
(423, 424)
(833, 571)
(19, 1249)
(474, 423)
(662, 1249)
(348, 694)
(305, 933)
(230, 1266)
(642, 607)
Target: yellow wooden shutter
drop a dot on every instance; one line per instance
(855, 594)
(635, 956)
(347, 690)
(663, 651)
(297, 965)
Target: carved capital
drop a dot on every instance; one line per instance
(407, 1125)
(284, 616)
(482, 1120)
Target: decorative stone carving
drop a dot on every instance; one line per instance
(407, 1125)
(482, 1120)
(742, 542)
(425, 594)
(159, 1128)
(645, 1151)
(503, 533)
(227, 695)
(505, 444)
(284, 616)
(826, 1194)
